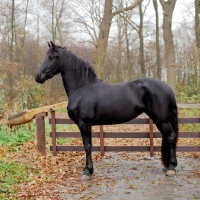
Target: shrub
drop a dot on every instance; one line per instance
(29, 94)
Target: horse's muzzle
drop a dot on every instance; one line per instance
(38, 79)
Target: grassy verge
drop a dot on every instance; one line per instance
(14, 137)
(12, 140)
(11, 174)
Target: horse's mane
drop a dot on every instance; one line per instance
(80, 70)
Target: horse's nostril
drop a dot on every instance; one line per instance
(37, 78)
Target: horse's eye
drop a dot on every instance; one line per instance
(51, 57)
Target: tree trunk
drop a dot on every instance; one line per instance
(168, 8)
(158, 60)
(23, 41)
(102, 41)
(12, 30)
(9, 73)
(140, 32)
(119, 48)
(139, 29)
(53, 30)
(38, 35)
(197, 22)
(197, 32)
(57, 25)
(129, 67)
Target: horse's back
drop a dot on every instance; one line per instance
(153, 85)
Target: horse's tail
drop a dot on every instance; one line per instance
(174, 121)
(165, 144)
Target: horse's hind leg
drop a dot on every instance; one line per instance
(168, 148)
(164, 154)
(87, 141)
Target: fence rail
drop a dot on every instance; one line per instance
(102, 135)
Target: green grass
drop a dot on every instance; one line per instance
(62, 141)
(13, 138)
(10, 174)
(189, 127)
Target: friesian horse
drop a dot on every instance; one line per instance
(94, 102)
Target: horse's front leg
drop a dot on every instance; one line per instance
(87, 142)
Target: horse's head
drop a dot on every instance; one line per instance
(51, 64)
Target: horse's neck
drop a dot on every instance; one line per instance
(69, 84)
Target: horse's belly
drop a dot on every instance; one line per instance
(116, 114)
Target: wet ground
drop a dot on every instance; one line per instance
(119, 179)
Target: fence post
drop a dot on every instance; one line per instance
(101, 140)
(53, 126)
(151, 137)
(40, 130)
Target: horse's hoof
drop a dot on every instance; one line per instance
(170, 173)
(165, 169)
(85, 177)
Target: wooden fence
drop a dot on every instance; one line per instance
(102, 135)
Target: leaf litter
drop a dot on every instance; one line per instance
(53, 175)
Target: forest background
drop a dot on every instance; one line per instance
(122, 39)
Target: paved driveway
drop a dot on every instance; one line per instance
(120, 179)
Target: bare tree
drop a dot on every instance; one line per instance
(119, 46)
(139, 29)
(104, 29)
(141, 38)
(55, 18)
(89, 18)
(197, 22)
(168, 8)
(158, 59)
(38, 34)
(23, 40)
(197, 32)
(128, 56)
(12, 30)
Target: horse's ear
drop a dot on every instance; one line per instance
(53, 45)
(49, 44)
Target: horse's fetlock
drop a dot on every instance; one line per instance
(88, 171)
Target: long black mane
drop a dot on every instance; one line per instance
(80, 70)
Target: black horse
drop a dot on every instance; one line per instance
(94, 102)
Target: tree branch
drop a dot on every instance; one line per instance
(127, 8)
